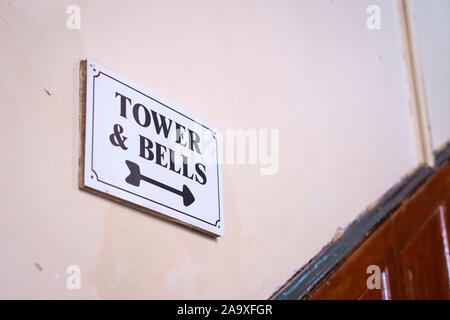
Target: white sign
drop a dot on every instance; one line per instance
(152, 154)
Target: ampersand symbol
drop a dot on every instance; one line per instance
(116, 138)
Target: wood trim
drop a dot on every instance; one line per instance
(410, 247)
(335, 253)
(332, 256)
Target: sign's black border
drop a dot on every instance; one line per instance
(135, 194)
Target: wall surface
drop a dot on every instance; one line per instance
(336, 90)
(431, 25)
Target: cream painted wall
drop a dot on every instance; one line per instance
(431, 25)
(336, 90)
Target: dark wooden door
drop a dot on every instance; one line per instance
(411, 249)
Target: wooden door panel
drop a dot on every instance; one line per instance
(423, 268)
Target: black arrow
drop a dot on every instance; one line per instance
(135, 177)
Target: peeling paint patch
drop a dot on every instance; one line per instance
(38, 266)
